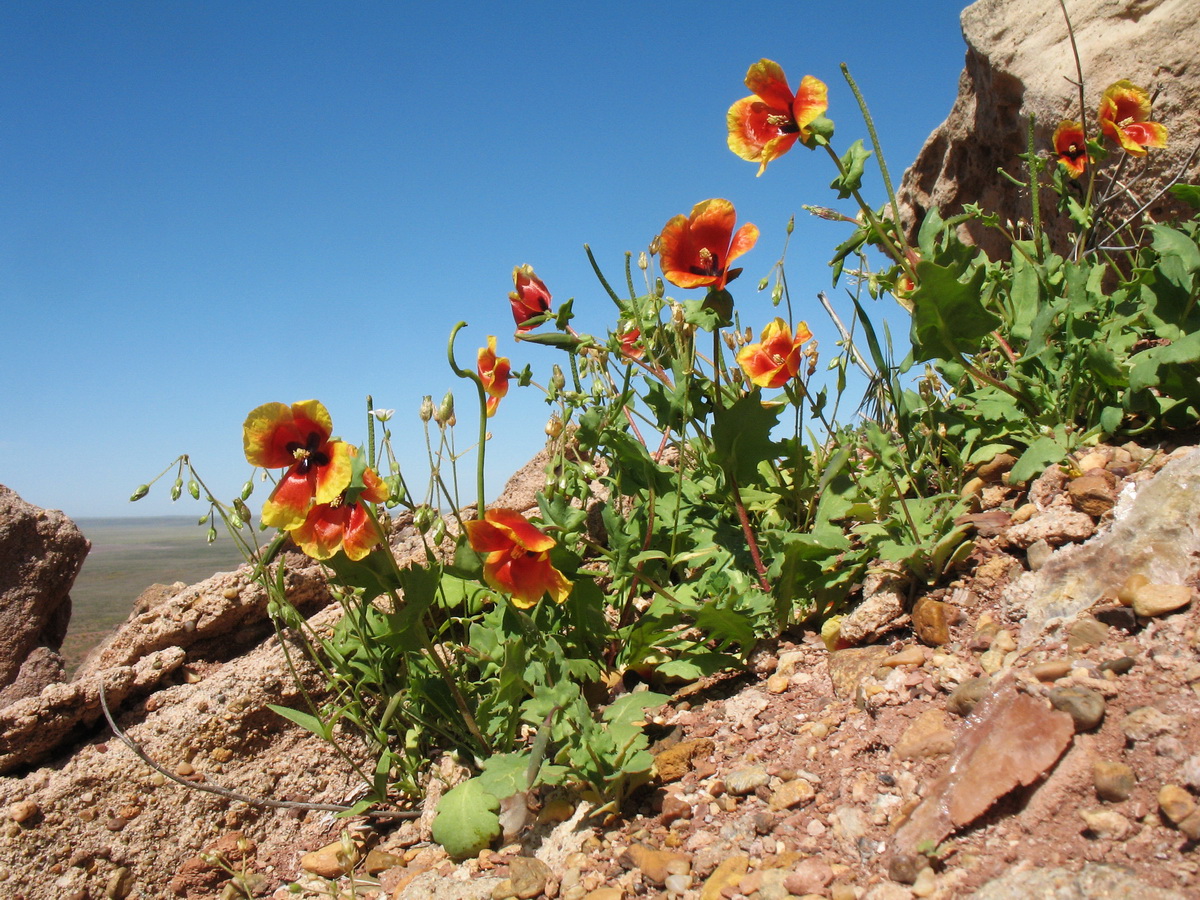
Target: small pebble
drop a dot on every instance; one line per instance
(1119, 666)
(1176, 803)
(1105, 823)
(1114, 781)
(966, 694)
(1051, 669)
(1159, 599)
(1085, 706)
(742, 781)
(23, 811)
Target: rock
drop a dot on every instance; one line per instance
(1159, 599)
(810, 876)
(885, 591)
(791, 794)
(931, 621)
(330, 861)
(1038, 554)
(848, 668)
(1159, 536)
(1094, 493)
(1056, 526)
(1146, 722)
(24, 811)
(1019, 62)
(727, 875)
(1083, 705)
(995, 468)
(926, 737)
(1011, 739)
(1093, 881)
(1051, 669)
(655, 865)
(528, 876)
(1176, 803)
(909, 656)
(380, 861)
(41, 552)
(969, 692)
(778, 684)
(1114, 781)
(1086, 631)
(1105, 823)
(675, 762)
(740, 782)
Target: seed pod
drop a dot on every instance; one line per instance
(554, 428)
(426, 412)
(643, 261)
(142, 491)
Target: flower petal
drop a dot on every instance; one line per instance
(744, 240)
(271, 428)
(334, 477)
(812, 99)
(766, 79)
(519, 530)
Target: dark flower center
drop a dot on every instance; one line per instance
(308, 454)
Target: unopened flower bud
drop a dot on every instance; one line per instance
(558, 381)
(243, 510)
(212, 533)
(194, 489)
(423, 518)
(202, 519)
(142, 491)
(247, 489)
(176, 489)
(554, 428)
(655, 244)
(235, 520)
(445, 412)
(426, 408)
(791, 224)
(643, 261)
(439, 531)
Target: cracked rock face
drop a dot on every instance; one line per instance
(1019, 63)
(41, 552)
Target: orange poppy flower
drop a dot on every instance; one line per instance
(766, 125)
(530, 297)
(1124, 110)
(494, 373)
(518, 557)
(695, 251)
(775, 360)
(330, 527)
(298, 436)
(1071, 147)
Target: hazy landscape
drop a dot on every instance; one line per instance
(128, 555)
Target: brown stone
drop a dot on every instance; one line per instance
(926, 737)
(931, 621)
(655, 865)
(1094, 493)
(848, 668)
(727, 875)
(1114, 781)
(675, 762)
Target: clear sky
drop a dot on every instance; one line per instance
(206, 206)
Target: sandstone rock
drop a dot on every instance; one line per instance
(1176, 803)
(41, 552)
(656, 865)
(1019, 62)
(791, 794)
(1056, 526)
(1093, 881)
(1094, 493)
(1105, 823)
(1114, 781)
(848, 668)
(882, 609)
(675, 762)
(727, 875)
(927, 736)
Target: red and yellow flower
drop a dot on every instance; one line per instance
(530, 297)
(518, 557)
(695, 251)
(297, 437)
(1124, 114)
(342, 525)
(764, 126)
(494, 372)
(1071, 147)
(774, 360)
(631, 346)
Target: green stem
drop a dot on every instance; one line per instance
(471, 376)
(885, 243)
(883, 170)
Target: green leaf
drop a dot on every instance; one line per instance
(948, 314)
(304, 720)
(742, 436)
(854, 163)
(1043, 452)
(1188, 193)
(467, 819)
(505, 774)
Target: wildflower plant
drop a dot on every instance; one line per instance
(710, 482)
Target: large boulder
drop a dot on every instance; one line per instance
(41, 552)
(1019, 63)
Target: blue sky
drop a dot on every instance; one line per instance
(207, 206)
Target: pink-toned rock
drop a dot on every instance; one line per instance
(1056, 526)
(927, 736)
(1010, 739)
(41, 552)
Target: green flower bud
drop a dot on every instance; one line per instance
(445, 412)
(243, 510)
(557, 379)
(426, 412)
(235, 520)
(202, 519)
(247, 489)
(212, 533)
(423, 518)
(439, 531)
(176, 489)
(142, 491)
(194, 488)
